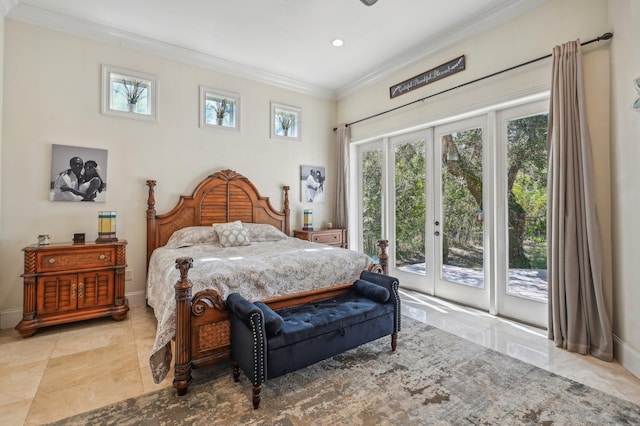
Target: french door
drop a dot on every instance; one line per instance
(460, 260)
(461, 206)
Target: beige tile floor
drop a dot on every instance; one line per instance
(68, 369)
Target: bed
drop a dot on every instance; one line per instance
(190, 273)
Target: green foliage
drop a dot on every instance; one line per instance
(527, 186)
(372, 201)
(462, 162)
(410, 202)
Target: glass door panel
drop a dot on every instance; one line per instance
(459, 230)
(524, 225)
(410, 206)
(527, 207)
(371, 190)
(462, 236)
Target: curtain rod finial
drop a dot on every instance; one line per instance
(606, 36)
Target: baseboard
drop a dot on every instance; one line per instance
(628, 357)
(10, 318)
(136, 298)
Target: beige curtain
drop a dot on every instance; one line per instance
(578, 318)
(341, 209)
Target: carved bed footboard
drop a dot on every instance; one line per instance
(202, 321)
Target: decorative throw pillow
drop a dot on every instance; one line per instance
(231, 237)
(264, 232)
(192, 235)
(229, 225)
(372, 291)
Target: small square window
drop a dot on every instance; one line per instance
(286, 122)
(129, 94)
(219, 109)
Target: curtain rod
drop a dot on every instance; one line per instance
(605, 36)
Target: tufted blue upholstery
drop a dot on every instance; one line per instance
(266, 344)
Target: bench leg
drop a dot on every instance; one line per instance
(236, 371)
(394, 341)
(256, 388)
(256, 396)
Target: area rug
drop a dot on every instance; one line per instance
(433, 378)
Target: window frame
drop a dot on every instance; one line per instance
(205, 93)
(279, 109)
(109, 73)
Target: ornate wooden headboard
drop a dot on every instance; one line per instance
(224, 196)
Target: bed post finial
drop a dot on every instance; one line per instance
(182, 377)
(151, 200)
(151, 219)
(287, 225)
(384, 257)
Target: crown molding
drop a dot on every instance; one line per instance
(490, 18)
(500, 13)
(6, 6)
(78, 27)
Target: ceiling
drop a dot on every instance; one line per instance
(286, 43)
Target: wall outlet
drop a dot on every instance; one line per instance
(127, 275)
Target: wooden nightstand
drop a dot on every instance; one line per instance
(333, 237)
(72, 282)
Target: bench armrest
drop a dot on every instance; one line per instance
(391, 284)
(272, 321)
(241, 308)
(248, 337)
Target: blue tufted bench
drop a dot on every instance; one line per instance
(267, 344)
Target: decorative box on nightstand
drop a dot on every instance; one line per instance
(333, 237)
(72, 282)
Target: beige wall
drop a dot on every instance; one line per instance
(624, 16)
(1, 104)
(614, 145)
(52, 96)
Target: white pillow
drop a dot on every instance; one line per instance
(264, 232)
(192, 235)
(229, 225)
(232, 237)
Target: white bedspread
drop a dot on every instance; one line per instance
(259, 271)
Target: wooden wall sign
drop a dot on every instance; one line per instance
(434, 74)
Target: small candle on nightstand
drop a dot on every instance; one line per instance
(329, 225)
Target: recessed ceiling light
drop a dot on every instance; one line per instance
(337, 43)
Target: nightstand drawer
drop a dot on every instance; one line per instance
(56, 261)
(334, 237)
(328, 237)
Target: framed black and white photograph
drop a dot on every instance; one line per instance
(78, 174)
(312, 180)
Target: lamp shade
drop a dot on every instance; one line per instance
(106, 227)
